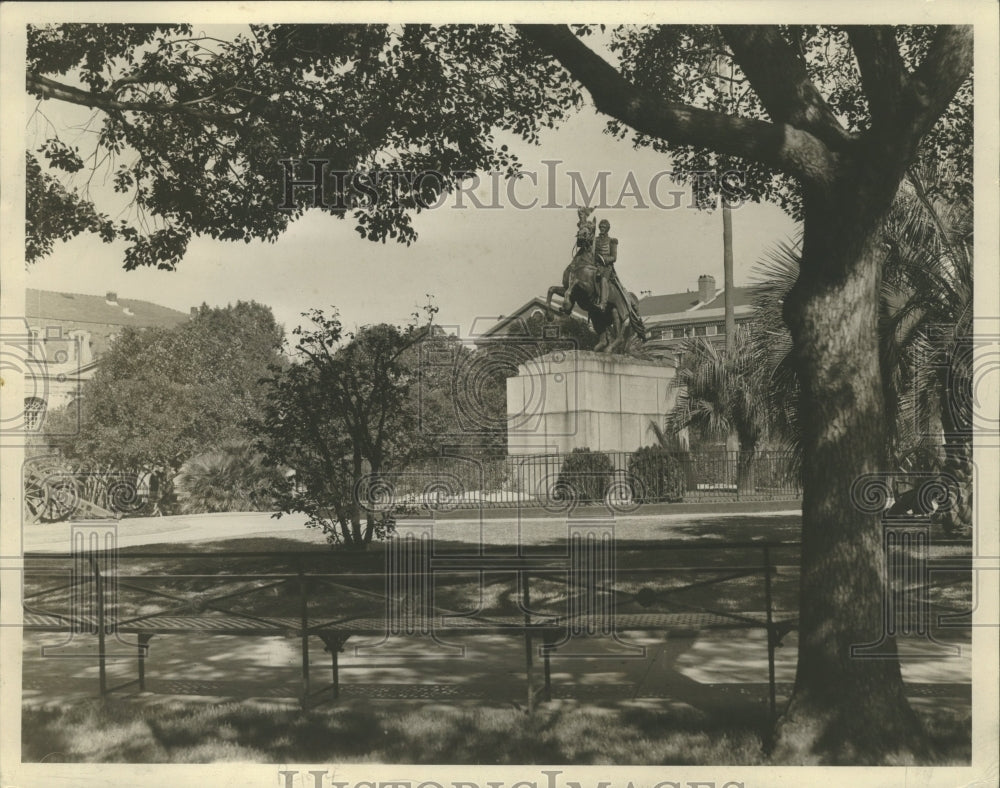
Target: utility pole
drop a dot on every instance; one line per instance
(727, 235)
(727, 267)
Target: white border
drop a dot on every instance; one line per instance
(986, 658)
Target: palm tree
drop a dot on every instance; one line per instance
(231, 478)
(775, 276)
(925, 335)
(724, 392)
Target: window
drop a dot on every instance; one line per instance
(34, 408)
(678, 333)
(700, 331)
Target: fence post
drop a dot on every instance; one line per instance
(93, 597)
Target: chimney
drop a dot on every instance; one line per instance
(111, 298)
(706, 288)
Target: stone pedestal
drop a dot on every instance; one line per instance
(566, 400)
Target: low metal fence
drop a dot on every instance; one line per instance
(622, 479)
(580, 598)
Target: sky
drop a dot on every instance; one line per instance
(477, 263)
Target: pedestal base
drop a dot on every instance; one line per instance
(567, 400)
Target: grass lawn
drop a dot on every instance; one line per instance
(563, 732)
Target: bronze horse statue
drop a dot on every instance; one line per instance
(619, 322)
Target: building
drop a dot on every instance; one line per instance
(673, 317)
(69, 332)
(516, 323)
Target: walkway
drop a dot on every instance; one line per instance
(711, 671)
(192, 529)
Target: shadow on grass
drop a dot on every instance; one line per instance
(559, 733)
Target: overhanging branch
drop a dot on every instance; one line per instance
(935, 82)
(777, 145)
(779, 78)
(47, 88)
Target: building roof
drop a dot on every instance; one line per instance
(509, 322)
(80, 308)
(677, 303)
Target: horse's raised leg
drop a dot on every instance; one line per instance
(567, 294)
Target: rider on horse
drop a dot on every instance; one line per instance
(587, 282)
(605, 255)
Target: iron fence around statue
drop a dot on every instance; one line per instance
(632, 478)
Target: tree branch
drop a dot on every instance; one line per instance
(883, 75)
(780, 145)
(778, 76)
(934, 83)
(47, 88)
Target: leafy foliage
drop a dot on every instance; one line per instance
(231, 478)
(660, 476)
(776, 274)
(341, 411)
(161, 395)
(693, 65)
(585, 476)
(925, 306)
(925, 328)
(462, 395)
(56, 214)
(927, 345)
(195, 126)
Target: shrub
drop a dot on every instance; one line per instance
(658, 474)
(585, 476)
(229, 479)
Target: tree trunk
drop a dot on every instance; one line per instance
(744, 469)
(357, 469)
(370, 520)
(844, 709)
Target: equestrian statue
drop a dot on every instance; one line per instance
(590, 282)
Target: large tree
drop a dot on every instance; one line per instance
(161, 396)
(832, 119)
